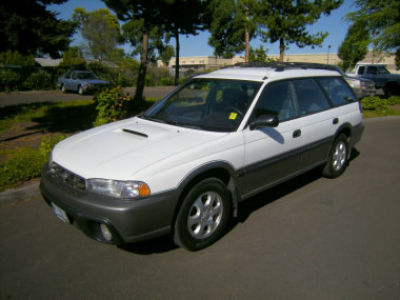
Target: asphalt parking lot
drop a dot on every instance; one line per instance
(310, 238)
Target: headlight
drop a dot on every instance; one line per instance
(119, 189)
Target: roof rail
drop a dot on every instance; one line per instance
(281, 66)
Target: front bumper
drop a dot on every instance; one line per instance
(128, 220)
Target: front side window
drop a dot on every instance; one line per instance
(208, 104)
(277, 98)
(310, 97)
(338, 92)
(372, 70)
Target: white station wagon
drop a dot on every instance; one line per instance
(220, 138)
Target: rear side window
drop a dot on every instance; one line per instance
(338, 92)
(310, 97)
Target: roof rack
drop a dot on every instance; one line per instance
(281, 66)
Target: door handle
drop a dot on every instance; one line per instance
(335, 121)
(296, 133)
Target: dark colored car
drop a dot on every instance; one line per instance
(81, 82)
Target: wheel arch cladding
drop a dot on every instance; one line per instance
(344, 129)
(220, 170)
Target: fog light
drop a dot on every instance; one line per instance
(107, 235)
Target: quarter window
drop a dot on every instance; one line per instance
(338, 92)
(310, 97)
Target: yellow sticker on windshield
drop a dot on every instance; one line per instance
(233, 116)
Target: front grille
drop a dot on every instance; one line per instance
(69, 178)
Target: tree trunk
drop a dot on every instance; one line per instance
(246, 38)
(177, 48)
(142, 68)
(281, 50)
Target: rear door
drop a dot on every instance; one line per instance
(319, 121)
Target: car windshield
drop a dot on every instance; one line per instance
(208, 104)
(86, 75)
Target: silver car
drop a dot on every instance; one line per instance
(81, 82)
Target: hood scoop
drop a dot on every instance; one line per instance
(135, 132)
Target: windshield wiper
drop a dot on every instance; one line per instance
(177, 123)
(171, 122)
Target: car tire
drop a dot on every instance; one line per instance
(203, 216)
(391, 89)
(80, 90)
(338, 158)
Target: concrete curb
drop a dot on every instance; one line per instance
(20, 193)
(381, 119)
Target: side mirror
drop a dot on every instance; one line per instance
(265, 121)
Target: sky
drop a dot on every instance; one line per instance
(335, 24)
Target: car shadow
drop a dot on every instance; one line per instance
(155, 246)
(69, 119)
(246, 208)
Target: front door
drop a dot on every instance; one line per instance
(272, 153)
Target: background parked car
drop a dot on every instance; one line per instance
(81, 82)
(382, 78)
(362, 87)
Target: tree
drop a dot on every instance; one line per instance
(29, 28)
(286, 21)
(133, 32)
(259, 55)
(142, 16)
(182, 17)
(101, 29)
(382, 21)
(397, 59)
(73, 58)
(231, 25)
(166, 54)
(355, 45)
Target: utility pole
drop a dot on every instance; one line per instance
(329, 48)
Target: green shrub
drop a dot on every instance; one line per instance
(47, 144)
(11, 57)
(111, 105)
(23, 164)
(9, 80)
(166, 81)
(393, 100)
(40, 80)
(374, 103)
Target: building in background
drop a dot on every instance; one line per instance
(202, 63)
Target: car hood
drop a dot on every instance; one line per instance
(121, 149)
